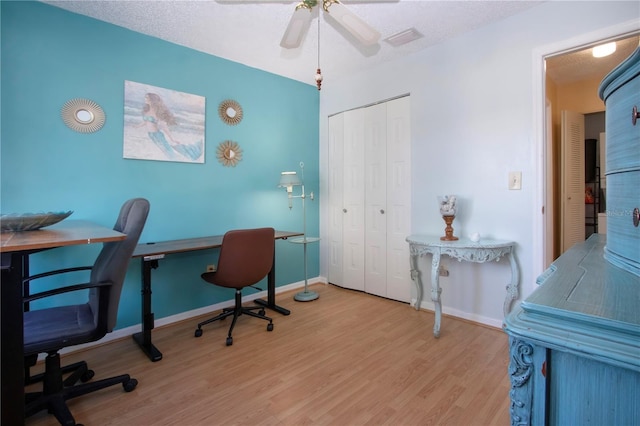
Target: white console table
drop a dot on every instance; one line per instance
(482, 251)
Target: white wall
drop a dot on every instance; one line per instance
(475, 117)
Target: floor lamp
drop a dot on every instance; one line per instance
(289, 180)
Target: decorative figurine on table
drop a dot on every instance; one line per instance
(448, 212)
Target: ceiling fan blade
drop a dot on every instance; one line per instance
(362, 31)
(297, 28)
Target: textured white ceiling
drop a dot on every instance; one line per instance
(249, 31)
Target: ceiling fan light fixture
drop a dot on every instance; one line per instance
(363, 32)
(403, 37)
(604, 50)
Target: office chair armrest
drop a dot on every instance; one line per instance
(66, 289)
(56, 272)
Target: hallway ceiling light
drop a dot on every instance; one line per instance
(604, 50)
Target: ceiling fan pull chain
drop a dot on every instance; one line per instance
(318, 76)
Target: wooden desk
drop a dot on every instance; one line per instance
(152, 252)
(18, 245)
(482, 251)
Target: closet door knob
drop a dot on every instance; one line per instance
(381, 211)
(344, 210)
(634, 115)
(636, 217)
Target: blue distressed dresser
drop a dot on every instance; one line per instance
(575, 341)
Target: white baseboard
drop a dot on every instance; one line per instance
(429, 306)
(128, 331)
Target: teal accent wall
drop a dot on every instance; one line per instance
(49, 56)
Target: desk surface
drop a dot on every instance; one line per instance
(65, 233)
(190, 244)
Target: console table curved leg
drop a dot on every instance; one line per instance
(512, 287)
(435, 292)
(415, 277)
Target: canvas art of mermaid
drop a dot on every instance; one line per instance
(158, 118)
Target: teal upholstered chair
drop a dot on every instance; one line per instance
(49, 330)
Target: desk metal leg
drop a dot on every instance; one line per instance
(12, 355)
(144, 338)
(271, 292)
(25, 286)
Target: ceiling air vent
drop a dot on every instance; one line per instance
(403, 37)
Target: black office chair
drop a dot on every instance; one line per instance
(49, 330)
(246, 257)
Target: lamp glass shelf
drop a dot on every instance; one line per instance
(304, 240)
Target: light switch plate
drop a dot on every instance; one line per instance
(515, 180)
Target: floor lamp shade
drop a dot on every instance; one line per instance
(289, 179)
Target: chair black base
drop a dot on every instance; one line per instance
(56, 391)
(79, 372)
(236, 311)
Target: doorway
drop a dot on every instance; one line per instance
(572, 81)
(569, 81)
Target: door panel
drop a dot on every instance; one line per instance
(375, 155)
(572, 192)
(336, 164)
(353, 199)
(398, 198)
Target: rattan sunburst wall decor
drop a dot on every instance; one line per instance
(229, 153)
(230, 112)
(83, 115)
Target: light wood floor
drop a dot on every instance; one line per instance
(347, 358)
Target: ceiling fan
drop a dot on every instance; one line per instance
(302, 16)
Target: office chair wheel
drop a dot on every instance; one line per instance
(229, 341)
(130, 385)
(269, 327)
(87, 375)
(261, 312)
(198, 333)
